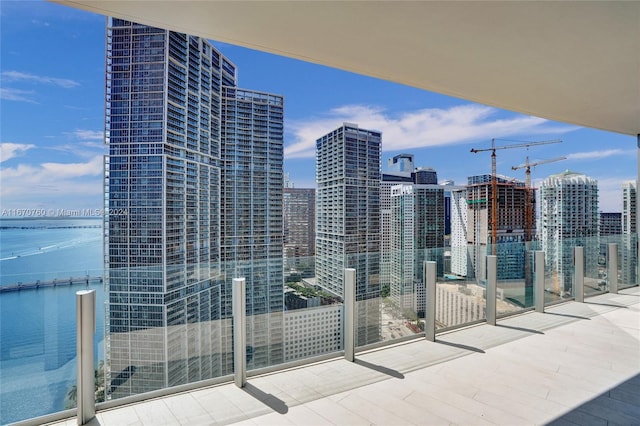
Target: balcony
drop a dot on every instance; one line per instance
(570, 358)
(575, 364)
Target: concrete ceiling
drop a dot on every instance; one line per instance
(575, 62)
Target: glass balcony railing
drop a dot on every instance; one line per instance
(164, 330)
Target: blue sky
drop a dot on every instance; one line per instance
(52, 117)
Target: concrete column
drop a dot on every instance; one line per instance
(538, 285)
(578, 273)
(349, 314)
(612, 267)
(429, 278)
(239, 332)
(86, 329)
(492, 286)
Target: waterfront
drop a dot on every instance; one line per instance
(38, 326)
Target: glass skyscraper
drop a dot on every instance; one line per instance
(179, 131)
(348, 219)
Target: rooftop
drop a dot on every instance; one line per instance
(578, 363)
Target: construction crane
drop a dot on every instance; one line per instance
(529, 203)
(494, 183)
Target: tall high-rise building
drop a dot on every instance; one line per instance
(348, 218)
(569, 217)
(417, 235)
(629, 231)
(629, 208)
(251, 222)
(299, 225)
(399, 171)
(511, 197)
(187, 150)
(461, 263)
(448, 186)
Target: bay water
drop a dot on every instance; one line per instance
(38, 326)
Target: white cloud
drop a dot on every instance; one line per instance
(420, 128)
(592, 155)
(12, 76)
(88, 134)
(610, 192)
(58, 178)
(10, 150)
(9, 94)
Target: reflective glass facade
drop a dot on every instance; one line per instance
(171, 148)
(252, 230)
(348, 218)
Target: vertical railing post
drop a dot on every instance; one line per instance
(492, 288)
(429, 279)
(239, 332)
(349, 314)
(612, 267)
(86, 329)
(538, 285)
(578, 273)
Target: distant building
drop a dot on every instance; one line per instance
(569, 217)
(629, 248)
(425, 176)
(400, 168)
(402, 163)
(348, 219)
(417, 235)
(511, 222)
(448, 184)
(609, 230)
(610, 224)
(299, 225)
(312, 332)
(461, 254)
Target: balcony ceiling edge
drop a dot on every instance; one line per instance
(574, 62)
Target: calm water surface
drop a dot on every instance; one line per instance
(38, 326)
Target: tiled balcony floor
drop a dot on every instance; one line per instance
(575, 364)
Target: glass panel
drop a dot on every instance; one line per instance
(460, 291)
(628, 260)
(38, 350)
(43, 263)
(155, 331)
(515, 278)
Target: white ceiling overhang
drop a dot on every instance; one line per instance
(575, 62)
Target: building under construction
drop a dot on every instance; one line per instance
(512, 195)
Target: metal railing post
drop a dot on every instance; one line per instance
(612, 267)
(349, 314)
(429, 279)
(578, 273)
(86, 329)
(239, 332)
(492, 287)
(538, 285)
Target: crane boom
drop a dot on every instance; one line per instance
(537, 163)
(494, 183)
(529, 201)
(518, 145)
